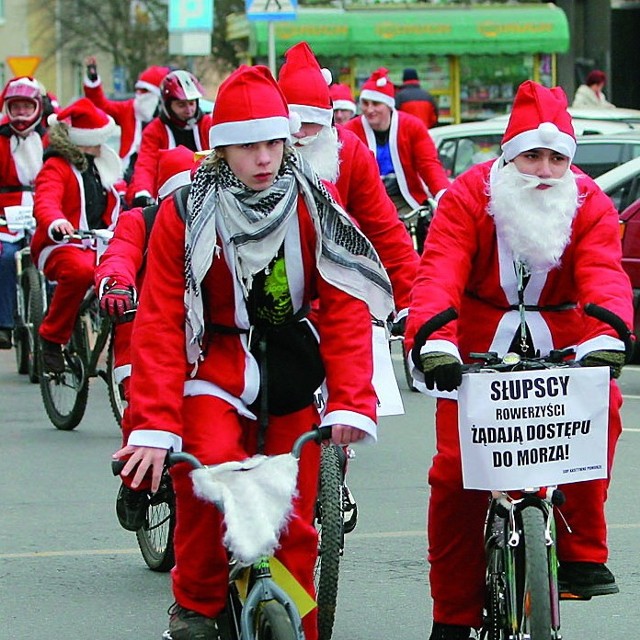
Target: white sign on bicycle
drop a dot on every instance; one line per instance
(19, 217)
(533, 428)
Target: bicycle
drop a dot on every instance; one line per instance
(30, 298)
(417, 222)
(65, 394)
(522, 591)
(267, 611)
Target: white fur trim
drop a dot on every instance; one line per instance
(327, 75)
(378, 96)
(144, 192)
(155, 438)
(109, 166)
(544, 137)
(316, 115)
(50, 228)
(92, 84)
(248, 131)
(256, 498)
(347, 105)
(141, 84)
(92, 137)
(608, 343)
(174, 182)
(352, 419)
(205, 388)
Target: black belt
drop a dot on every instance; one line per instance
(16, 189)
(563, 306)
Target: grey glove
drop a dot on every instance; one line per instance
(615, 360)
(442, 370)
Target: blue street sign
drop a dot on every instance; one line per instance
(271, 9)
(191, 15)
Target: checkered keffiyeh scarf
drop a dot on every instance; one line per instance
(257, 224)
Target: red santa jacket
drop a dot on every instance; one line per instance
(20, 162)
(465, 267)
(161, 372)
(366, 200)
(413, 154)
(124, 115)
(157, 135)
(60, 195)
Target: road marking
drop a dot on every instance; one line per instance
(373, 535)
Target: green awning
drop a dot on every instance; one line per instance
(539, 28)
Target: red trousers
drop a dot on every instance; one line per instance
(456, 522)
(215, 433)
(72, 268)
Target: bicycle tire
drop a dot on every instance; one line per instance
(407, 374)
(117, 400)
(534, 598)
(65, 394)
(34, 312)
(20, 335)
(272, 622)
(495, 623)
(330, 527)
(155, 537)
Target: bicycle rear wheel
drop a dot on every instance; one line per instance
(116, 391)
(33, 313)
(272, 622)
(534, 598)
(155, 538)
(329, 523)
(65, 394)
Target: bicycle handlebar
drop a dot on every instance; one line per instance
(317, 434)
(82, 234)
(593, 310)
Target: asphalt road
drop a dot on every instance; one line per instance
(67, 570)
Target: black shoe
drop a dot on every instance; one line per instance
(585, 580)
(52, 357)
(442, 631)
(131, 508)
(185, 624)
(5, 339)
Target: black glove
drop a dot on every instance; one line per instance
(92, 72)
(143, 201)
(398, 326)
(442, 370)
(615, 360)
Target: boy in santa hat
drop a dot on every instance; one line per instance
(118, 279)
(20, 160)
(525, 226)
(344, 106)
(180, 122)
(132, 115)
(337, 155)
(75, 189)
(407, 158)
(235, 266)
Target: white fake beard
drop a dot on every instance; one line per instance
(145, 105)
(322, 153)
(534, 223)
(27, 155)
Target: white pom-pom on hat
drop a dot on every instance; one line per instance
(381, 82)
(327, 75)
(52, 119)
(295, 123)
(548, 132)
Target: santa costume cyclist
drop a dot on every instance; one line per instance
(524, 226)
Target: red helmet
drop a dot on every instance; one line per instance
(22, 88)
(179, 85)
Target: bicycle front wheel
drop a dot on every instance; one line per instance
(331, 538)
(65, 394)
(155, 538)
(33, 314)
(116, 391)
(272, 622)
(534, 594)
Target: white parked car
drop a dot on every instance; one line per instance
(622, 184)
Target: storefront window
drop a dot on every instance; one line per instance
(488, 84)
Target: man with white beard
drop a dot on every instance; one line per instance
(339, 156)
(130, 115)
(523, 227)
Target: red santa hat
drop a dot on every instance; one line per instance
(378, 88)
(306, 86)
(250, 107)
(174, 169)
(342, 97)
(151, 79)
(539, 120)
(88, 126)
